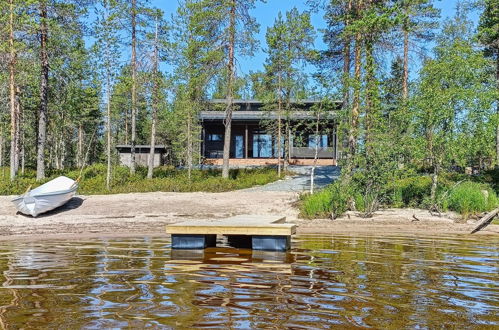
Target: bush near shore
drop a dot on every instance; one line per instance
(166, 178)
(455, 192)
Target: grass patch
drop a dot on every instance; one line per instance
(165, 178)
(329, 201)
(471, 198)
(467, 197)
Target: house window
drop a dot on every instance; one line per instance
(323, 141)
(262, 145)
(214, 137)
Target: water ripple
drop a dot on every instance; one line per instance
(323, 282)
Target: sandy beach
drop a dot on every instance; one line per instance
(139, 214)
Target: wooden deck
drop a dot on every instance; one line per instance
(261, 232)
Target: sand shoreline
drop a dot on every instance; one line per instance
(146, 214)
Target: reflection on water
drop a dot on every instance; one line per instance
(388, 282)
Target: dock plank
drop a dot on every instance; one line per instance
(238, 225)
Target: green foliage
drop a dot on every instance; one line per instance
(490, 177)
(409, 192)
(329, 201)
(464, 197)
(165, 178)
(471, 198)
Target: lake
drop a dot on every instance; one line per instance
(322, 282)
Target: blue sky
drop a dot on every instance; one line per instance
(265, 13)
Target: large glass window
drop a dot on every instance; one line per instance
(262, 145)
(239, 146)
(214, 137)
(323, 141)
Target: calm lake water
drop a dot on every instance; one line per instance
(323, 282)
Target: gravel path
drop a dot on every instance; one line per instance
(324, 175)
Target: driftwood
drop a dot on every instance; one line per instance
(486, 220)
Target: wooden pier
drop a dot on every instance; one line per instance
(258, 232)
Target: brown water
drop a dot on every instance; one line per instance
(323, 282)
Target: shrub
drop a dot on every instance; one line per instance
(490, 177)
(409, 192)
(165, 178)
(330, 200)
(471, 198)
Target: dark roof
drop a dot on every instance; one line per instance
(250, 109)
(253, 115)
(140, 146)
(253, 101)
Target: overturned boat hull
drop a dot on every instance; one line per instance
(47, 197)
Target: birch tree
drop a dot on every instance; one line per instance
(107, 48)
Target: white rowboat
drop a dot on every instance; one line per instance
(47, 197)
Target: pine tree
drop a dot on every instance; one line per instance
(160, 44)
(419, 19)
(289, 45)
(488, 33)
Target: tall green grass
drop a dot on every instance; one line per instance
(465, 197)
(331, 201)
(165, 178)
(471, 198)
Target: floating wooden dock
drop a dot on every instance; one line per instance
(258, 232)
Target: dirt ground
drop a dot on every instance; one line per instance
(148, 213)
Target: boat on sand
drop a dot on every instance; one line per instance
(47, 197)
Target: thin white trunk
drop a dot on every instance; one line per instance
(134, 87)
(312, 172)
(230, 92)
(44, 77)
(279, 127)
(1, 148)
(154, 107)
(12, 87)
(79, 155)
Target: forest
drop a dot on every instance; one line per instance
(419, 93)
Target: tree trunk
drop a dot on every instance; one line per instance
(434, 184)
(370, 101)
(79, 156)
(279, 127)
(155, 105)
(134, 86)
(44, 76)
(354, 115)
(18, 129)
(230, 92)
(126, 126)
(1, 149)
(312, 173)
(12, 88)
(405, 81)
(23, 153)
(346, 64)
(108, 128)
(189, 143)
(497, 109)
(108, 119)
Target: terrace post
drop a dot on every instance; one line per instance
(246, 141)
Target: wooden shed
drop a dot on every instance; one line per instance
(141, 154)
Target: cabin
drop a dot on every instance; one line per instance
(141, 155)
(254, 139)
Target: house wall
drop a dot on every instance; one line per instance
(214, 149)
(141, 159)
(234, 162)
